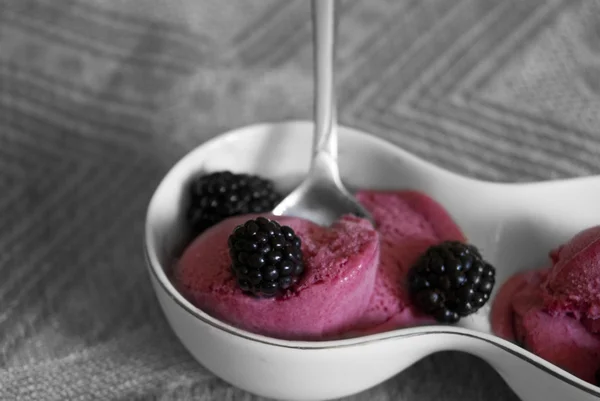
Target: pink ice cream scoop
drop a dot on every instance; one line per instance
(573, 283)
(519, 314)
(555, 312)
(408, 223)
(355, 280)
(340, 269)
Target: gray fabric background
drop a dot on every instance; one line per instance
(99, 98)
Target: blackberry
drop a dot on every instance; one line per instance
(451, 280)
(266, 258)
(219, 195)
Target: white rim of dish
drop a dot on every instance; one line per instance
(156, 270)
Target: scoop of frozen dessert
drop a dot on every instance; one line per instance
(409, 223)
(519, 314)
(340, 266)
(573, 283)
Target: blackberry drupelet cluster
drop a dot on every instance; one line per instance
(451, 280)
(219, 195)
(266, 258)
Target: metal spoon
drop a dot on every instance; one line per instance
(321, 197)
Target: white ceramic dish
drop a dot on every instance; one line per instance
(513, 224)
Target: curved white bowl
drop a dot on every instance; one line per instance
(515, 225)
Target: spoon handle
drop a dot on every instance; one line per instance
(324, 30)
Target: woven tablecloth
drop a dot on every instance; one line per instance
(99, 98)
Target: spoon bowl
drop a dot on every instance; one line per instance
(321, 197)
(514, 226)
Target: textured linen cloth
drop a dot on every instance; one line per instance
(99, 98)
